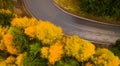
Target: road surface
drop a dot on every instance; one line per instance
(98, 33)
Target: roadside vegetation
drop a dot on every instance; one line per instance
(107, 11)
(30, 42)
(116, 48)
(6, 4)
(6, 12)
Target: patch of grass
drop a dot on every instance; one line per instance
(73, 6)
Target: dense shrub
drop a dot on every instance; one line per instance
(29, 60)
(116, 48)
(5, 17)
(67, 61)
(101, 7)
(117, 44)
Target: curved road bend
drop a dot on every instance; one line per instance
(46, 10)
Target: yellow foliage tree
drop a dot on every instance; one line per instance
(55, 52)
(3, 31)
(20, 58)
(44, 52)
(10, 61)
(79, 48)
(5, 11)
(48, 32)
(9, 44)
(24, 22)
(31, 31)
(104, 57)
(89, 64)
(2, 62)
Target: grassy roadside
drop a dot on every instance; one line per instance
(72, 6)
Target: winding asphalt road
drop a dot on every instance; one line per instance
(97, 33)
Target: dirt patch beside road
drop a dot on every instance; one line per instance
(19, 8)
